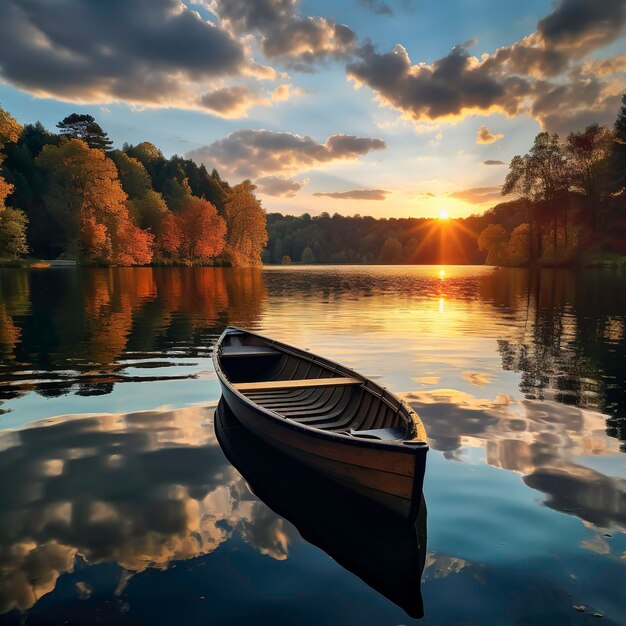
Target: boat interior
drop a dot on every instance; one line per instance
(312, 391)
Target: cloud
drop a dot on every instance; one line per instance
(279, 186)
(493, 162)
(477, 195)
(582, 25)
(544, 67)
(355, 194)
(299, 41)
(447, 89)
(150, 52)
(235, 102)
(285, 92)
(249, 153)
(606, 67)
(484, 136)
(232, 102)
(379, 7)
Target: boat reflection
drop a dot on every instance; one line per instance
(385, 551)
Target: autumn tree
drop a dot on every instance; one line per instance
(85, 194)
(196, 233)
(168, 238)
(10, 128)
(85, 128)
(12, 221)
(247, 235)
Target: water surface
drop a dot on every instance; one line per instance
(117, 504)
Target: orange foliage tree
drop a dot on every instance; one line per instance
(194, 234)
(247, 232)
(12, 221)
(85, 195)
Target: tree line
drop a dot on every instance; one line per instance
(71, 195)
(573, 196)
(363, 239)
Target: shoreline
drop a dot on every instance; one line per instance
(618, 263)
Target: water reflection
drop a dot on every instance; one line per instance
(140, 489)
(384, 550)
(147, 490)
(83, 331)
(540, 440)
(80, 331)
(518, 377)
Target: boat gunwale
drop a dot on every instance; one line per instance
(404, 446)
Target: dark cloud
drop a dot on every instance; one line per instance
(278, 186)
(451, 87)
(355, 194)
(485, 136)
(580, 104)
(252, 153)
(299, 41)
(379, 7)
(477, 195)
(542, 74)
(493, 162)
(583, 25)
(142, 51)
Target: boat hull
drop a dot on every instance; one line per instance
(390, 475)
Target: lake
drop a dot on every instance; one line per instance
(118, 505)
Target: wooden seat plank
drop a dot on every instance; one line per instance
(248, 351)
(289, 384)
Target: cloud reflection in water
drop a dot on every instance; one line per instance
(141, 489)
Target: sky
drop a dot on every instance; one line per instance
(390, 108)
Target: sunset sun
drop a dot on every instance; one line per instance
(443, 215)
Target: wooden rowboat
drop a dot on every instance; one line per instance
(325, 415)
(386, 552)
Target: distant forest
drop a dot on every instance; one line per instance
(70, 195)
(357, 239)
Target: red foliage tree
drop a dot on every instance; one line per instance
(168, 236)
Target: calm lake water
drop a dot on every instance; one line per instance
(118, 505)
